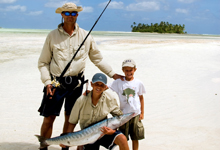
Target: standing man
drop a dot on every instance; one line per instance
(58, 49)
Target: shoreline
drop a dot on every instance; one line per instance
(20, 44)
(19, 30)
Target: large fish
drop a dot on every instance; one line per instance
(88, 135)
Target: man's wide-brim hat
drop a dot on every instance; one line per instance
(69, 7)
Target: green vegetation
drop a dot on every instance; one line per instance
(163, 27)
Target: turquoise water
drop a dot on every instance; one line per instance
(115, 33)
(5, 30)
(19, 43)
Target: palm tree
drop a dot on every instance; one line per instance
(163, 27)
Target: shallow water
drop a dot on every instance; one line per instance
(19, 43)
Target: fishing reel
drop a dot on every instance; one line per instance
(55, 83)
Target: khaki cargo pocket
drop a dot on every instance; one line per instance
(140, 130)
(80, 53)
(60, 53)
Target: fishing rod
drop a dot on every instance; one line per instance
(55, 82)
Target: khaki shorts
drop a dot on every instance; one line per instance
(134, 128)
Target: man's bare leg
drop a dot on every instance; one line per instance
(122, 142)
(66, 123)
(47, 126)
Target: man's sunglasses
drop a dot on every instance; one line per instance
(66, 13)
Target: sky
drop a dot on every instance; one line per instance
(199, 16)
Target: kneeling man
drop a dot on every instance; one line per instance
(94, 108)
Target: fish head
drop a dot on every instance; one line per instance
(125, 118)
(118, 121)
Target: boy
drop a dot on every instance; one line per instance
(130, 92)
(94, 108)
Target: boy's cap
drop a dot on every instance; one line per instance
(99, 77)
(129, 63)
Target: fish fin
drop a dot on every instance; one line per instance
(42, 140)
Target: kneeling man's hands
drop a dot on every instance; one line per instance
(107, 130)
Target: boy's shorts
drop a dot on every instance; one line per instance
(53, 106)
(106, 141)
(134, 128)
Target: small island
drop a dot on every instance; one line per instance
(163, 27)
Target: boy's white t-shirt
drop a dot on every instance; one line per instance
(128, 93)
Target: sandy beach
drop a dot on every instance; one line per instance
(181, 75)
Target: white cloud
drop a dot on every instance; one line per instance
(7, 1)
(184, 11)
(113, 5)
(186, 1)
(55, 4)
(87, 9)
(35, 13)
(58, 3)
(144, 6)
(116, 5)
(14, 8)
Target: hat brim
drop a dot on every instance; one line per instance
(129, 65)
(99, 81)
(60, 9)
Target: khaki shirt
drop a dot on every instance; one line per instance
(60, 47)
(86, 113)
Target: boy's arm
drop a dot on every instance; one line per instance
(113, 105)
(142, 107)
(113, 86)
(107, 130)
(116, 111)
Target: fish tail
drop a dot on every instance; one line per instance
(42, 140)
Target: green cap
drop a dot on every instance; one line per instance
(99, 77)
